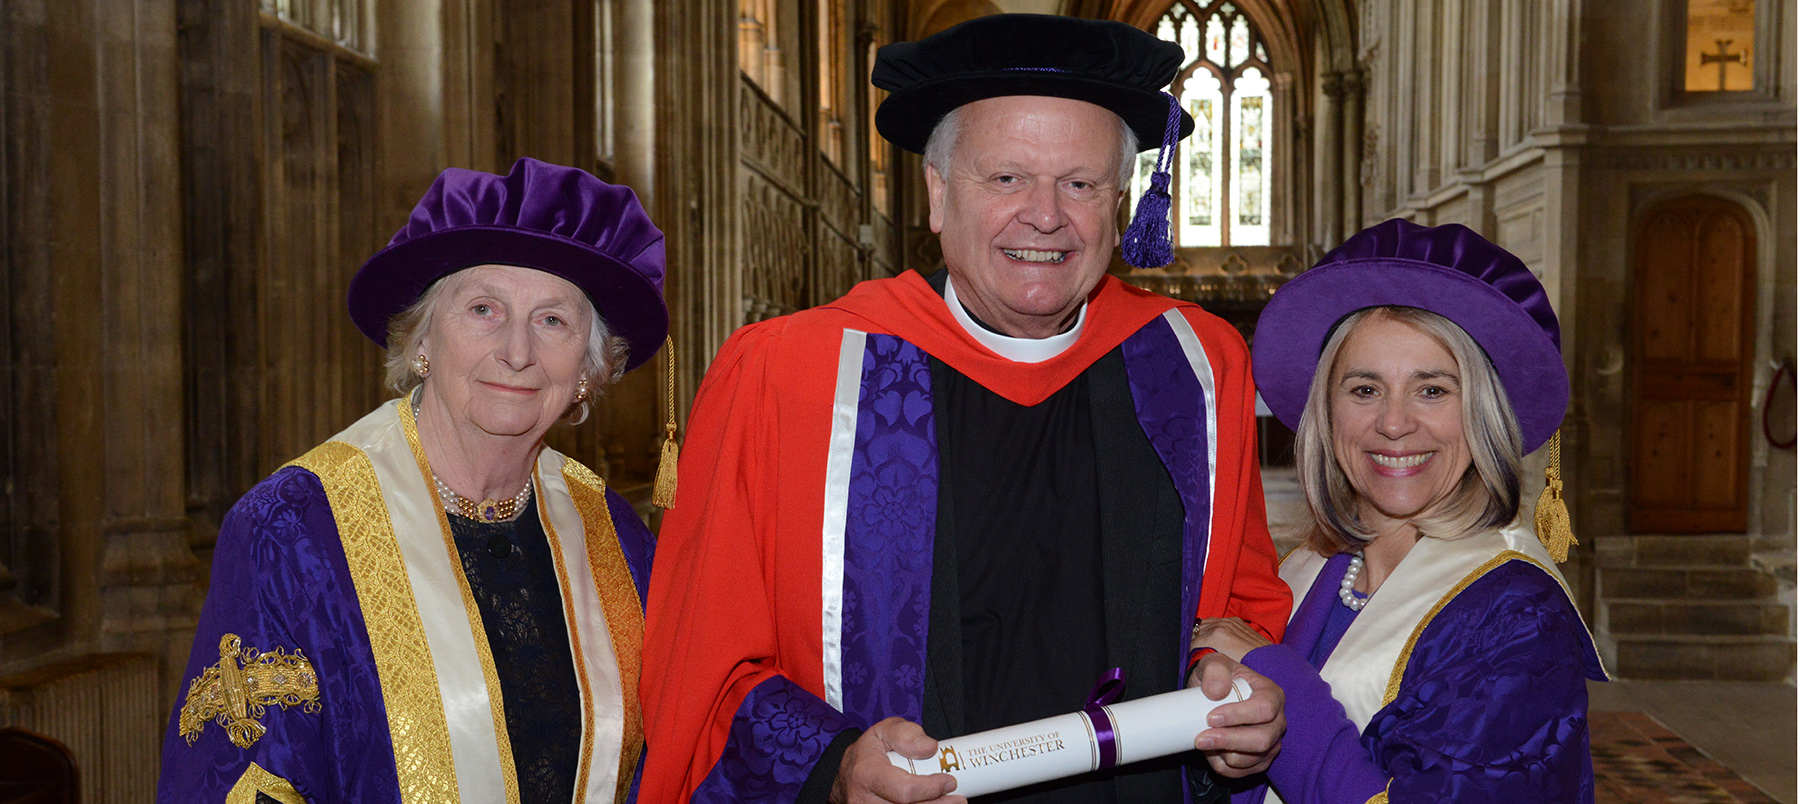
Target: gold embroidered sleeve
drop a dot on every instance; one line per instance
(619, 598)
(236, 692)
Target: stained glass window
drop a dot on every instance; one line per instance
(1221, 176)
(1200, 183)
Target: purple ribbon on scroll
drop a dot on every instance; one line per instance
(1106, 690)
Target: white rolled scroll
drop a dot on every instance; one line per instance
(1066, 745)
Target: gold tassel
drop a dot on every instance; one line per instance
(663, 494)
(1553, 526)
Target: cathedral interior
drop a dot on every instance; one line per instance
(187, 187)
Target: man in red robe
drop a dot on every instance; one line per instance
(946, 504)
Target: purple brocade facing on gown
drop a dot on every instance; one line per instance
(775, 740)
(889, 534)
(1172, 410)
(1492, 706)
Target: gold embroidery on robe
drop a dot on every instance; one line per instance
(417, 728)
(238, 690)
(256, 780)
(619, 599)
(581, 674)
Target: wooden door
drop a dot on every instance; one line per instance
(1691, 350)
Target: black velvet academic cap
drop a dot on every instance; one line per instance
(1109, 64)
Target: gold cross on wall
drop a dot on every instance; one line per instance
(1723, 58)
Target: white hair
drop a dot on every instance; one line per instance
(601, 365)
(940, 148)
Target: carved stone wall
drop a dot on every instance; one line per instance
(30, 582)
(765, 214)
(281, 192)
(95, 537)
(1553, 150)
(777, 250)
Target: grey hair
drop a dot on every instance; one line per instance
(602, 364)
(940, 148)
(1488, 494)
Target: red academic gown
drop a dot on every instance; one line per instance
(745, 674)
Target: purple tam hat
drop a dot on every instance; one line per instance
(559, 220)
(1449, 270)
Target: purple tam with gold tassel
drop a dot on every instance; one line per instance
(1109, 64)
(1449, 270)
(1458, 274)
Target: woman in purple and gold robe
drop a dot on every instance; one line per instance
(1434, 653)
(433, 606)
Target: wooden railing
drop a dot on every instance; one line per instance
(104, 708)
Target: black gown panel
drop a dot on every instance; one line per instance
(513, 580)
(1057, 557)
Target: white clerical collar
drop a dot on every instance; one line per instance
(1018, 350)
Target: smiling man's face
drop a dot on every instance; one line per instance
(1027, 213)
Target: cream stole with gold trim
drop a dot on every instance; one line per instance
(456, 648)
(1366, 667)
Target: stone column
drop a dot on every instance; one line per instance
(111, 250)
(1285, 224)
(1484, 79)
(698, 178)
(634, 42)
(1353, 150)
(148, 600)
(626, 433)
(1564, 210)
(1331, 167)
(469, 121)
(1564, 64)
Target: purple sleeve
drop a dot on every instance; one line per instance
(1494, 704)
(280, 580)
(1493, 708)
(776, 737)
(1322, 757)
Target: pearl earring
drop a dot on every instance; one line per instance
(581, 392)
(421, 366)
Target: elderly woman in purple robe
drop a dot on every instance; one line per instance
(433, 605)
(1433, 653)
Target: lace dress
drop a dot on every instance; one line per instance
(513, 579)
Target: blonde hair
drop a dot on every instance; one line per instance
(1488, 494)
(602, 364)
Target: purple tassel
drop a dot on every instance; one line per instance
(1146, 241)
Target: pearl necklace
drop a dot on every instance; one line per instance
(486, 510)
(1345, 592)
